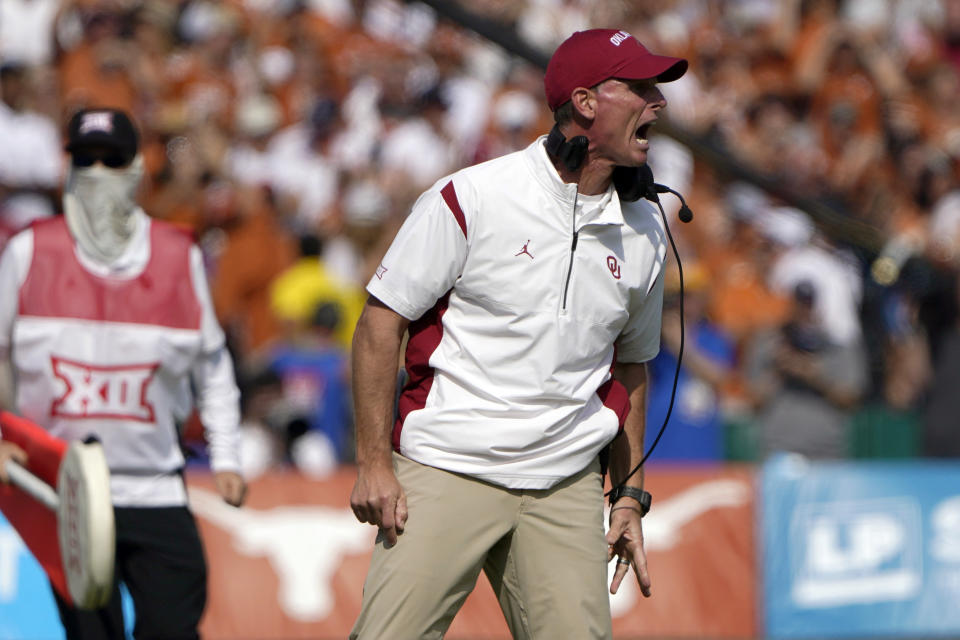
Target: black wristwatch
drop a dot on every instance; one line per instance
(641, 496)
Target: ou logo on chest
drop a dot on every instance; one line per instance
(614, 266)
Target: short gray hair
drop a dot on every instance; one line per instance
(564, 113)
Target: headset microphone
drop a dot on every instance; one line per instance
(685, 214)
(644, 186)
(633, 183)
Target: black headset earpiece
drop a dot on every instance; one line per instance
(571, 152)
(633, 183)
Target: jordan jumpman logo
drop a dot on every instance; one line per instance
(524, 250)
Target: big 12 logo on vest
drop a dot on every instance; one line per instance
(93, 391)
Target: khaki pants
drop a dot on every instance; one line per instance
(543, 551)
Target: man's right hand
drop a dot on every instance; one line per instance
(379, 499)
(10, 451)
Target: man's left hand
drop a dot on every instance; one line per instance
(625, 541)
(231, 486)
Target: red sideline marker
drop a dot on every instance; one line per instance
(70, 530)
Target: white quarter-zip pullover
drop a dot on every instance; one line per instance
(520, 291)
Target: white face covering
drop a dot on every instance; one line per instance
(99, 204)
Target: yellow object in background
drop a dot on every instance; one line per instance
(299, 290)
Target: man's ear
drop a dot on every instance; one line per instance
(584, 102)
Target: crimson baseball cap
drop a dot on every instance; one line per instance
(589, 57)
(109, 128)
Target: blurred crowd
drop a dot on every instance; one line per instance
(292, 137)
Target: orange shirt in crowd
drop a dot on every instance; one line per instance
(256, 251)
(91, 76)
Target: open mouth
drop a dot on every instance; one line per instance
(643, 132)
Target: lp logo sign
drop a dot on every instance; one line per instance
(856, 553)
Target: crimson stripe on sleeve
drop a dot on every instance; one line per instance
(450, 197)
(425, 335)
(614, 395)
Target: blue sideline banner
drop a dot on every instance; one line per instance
(865, 549)
(27, 608)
